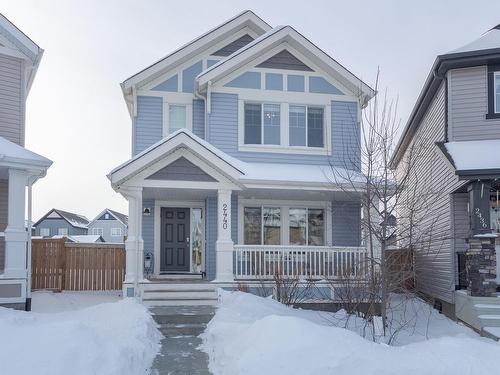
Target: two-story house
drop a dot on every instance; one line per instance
(110, 225)
(19, 167)
(235, 138)
(57, 222)
(456, 125)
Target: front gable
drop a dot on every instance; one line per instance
(181, 170)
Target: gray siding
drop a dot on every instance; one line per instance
(468, 106)
(12, 105)
(433, 178)
(147, 125)
(106, 226)
(284, 60)
(460, 222)
(199, 118)
(148, 228)
(55, 224)
(223, 134)
(3, 219)
(346, 223)
(233, 46)
(181, 170)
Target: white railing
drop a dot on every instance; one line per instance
(315, 262)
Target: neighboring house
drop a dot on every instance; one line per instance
(235, 137)
(63, 223)
(19, 167)
(457, 121)
(86, 238)
(111, 225)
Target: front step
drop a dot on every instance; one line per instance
(178, 286)
(179, 302)
(490, 320)
(180, 294)
(177, 329)
(487, 309)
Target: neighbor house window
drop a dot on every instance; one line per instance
(45, 232)
(62, 231)
(97, 231)
(176, 117)
(306, 226)
(306, 126)
(262, 123)
(116, 232)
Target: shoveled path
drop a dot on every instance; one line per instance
(181, 326)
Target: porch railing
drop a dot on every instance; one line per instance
(314, 262)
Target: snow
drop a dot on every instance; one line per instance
(11, 152)
(253, 335)
(490, 39)
(107, 338)
(474, 154)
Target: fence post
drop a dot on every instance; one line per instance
(62, 255)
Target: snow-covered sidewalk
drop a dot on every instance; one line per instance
(253, 335)
(107, 338)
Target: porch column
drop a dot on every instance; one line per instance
(224, 243)
(134, 245)
(15, 233)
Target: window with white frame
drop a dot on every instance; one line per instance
(264, 225)
(45, 232)
(497, 91)
(116, 232)
(177, 118)
(262, 123)
(306, 126)
(97, 231)
(62, 231)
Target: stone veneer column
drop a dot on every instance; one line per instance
(480, 262)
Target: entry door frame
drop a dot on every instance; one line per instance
(157, 230)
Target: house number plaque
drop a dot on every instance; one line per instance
(224, 216)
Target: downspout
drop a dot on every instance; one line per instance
(207, 103)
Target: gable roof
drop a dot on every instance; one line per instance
(117, 215)
(75, 220)
(273, 38)
(190, 49)
(28, 50)
(12, 154)
(481, 51)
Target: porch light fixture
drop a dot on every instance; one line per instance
(146, 211)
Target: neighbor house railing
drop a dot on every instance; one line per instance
(315, 262)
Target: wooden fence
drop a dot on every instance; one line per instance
(61, 265)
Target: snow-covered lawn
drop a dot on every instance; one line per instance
(117, 337)
(254, 335)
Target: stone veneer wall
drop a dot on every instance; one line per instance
(481, 262)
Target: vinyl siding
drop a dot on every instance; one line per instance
(3, 218)
(106, 226)
(468, 106)
(346, 223)
(55, 224)
(223, 134)
(199, 118)
(434, 259)
(12, 105)
(148, 228)
(181, 170)
(147, 125)
(461, 222)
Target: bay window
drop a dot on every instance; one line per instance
(262, 123)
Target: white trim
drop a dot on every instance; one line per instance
(495, 75)
(157, 230)
(117, 230)
(188, 106)
(285, 205)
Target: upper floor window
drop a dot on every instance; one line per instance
(497, 91)
(62, 231)
(45, 232)
(262, 124)
(306, 126)
(493, 79)
(97, 231)
(176, 117)
(116, 232)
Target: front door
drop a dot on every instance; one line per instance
(175, 232)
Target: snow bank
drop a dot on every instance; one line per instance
(111, 338)
(45, 301)
(251, 335)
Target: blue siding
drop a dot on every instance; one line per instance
(188, 76)
(55, 224)
(346, 141)
(346, 223)
(247, 80)
(170, 84)
(199, 118)
(147, 125)
(234, 218)
(322, 86)
(274, 81)
(210, 236)
(148, 228)
(223, 134)
(295, 83)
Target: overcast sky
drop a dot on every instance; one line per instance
(76, 115)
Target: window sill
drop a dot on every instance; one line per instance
(492, 116)
(285, 149)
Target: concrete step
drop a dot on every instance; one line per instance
(178, 329)
(489, 320)
(492, 332)
(487, 308)
(176, 294)
(166, 286)
(179, 302)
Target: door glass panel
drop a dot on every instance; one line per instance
(272, 225)
(297, 226)
(196, 239)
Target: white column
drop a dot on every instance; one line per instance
(224, 243)
(134, 245)
(15, 233)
